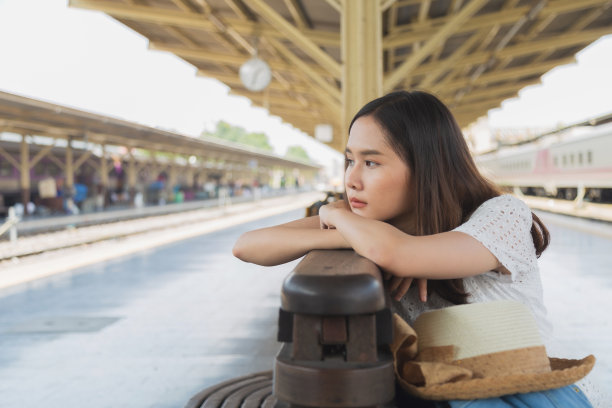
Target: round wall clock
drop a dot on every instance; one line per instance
(255, 74)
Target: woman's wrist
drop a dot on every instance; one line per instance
(338, 239)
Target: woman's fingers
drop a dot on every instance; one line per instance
(394, 284)
(398, 287)
(403, 288)
(422, 283)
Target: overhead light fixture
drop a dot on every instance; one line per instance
(324, 132)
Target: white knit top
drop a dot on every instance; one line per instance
(503, 225)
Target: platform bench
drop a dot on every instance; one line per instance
(335, 330)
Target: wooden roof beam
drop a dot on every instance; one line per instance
(393, 79)
(588, 18)
(450, 62)
(454, 6)
(268, 100)
(184, 5)
(335, 4)
(290, 86)
(295, 36)
(194, 20)
(312, 116)
(424, 11)
(233, 80)
(489, 91)
(402, 3)
(488, 99)
(9, 158)
(465, 120)
(410, 33)
(280, 79)
(391, 25)
(555, 42)
(34, 126)
(578, 25)
(321, 38)
(297, 13)
(330, 95)
(240, 9)
(385, 4)
(235, 60)
(145, 13)
(510, 34)
(511, 73)
(480, 106)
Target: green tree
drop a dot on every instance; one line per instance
(237, 134)
(298, 153)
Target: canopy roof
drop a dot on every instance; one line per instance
(27, 116)
(472, 54)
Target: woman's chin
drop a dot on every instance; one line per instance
(363, 212)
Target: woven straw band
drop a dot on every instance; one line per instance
(434, 373)
(521, 361)
(477, 388)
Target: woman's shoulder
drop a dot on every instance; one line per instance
(503, 210)
(505, 204)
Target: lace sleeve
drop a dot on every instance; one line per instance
(503, 225)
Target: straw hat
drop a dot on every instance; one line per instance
(479, 350)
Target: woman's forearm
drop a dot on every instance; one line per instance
(448, 255)
(369, 238)
(278, 245)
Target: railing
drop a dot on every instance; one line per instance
(10, 225)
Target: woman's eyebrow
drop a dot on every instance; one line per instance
(367, 152)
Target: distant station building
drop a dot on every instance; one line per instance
(55, 159)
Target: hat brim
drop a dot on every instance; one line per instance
(563, 372)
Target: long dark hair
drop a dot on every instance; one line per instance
(448, 186)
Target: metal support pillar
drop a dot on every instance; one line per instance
(69, 170)
(132, 176)
(103, 177)
(24, 172)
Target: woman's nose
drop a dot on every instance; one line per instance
(353, 179)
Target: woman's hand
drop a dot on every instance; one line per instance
(398, 287)
(327, 212)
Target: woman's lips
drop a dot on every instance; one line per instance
(357, 204)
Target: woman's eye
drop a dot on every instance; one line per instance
(370, 163)
(348, 161)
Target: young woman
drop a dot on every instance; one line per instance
(417, 206)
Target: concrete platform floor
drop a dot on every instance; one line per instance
(146, 330)
(153, 328)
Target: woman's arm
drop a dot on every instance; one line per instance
(286, 242)
(447, 255)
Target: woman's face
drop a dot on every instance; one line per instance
(377, 180)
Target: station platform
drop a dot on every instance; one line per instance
(153, 327)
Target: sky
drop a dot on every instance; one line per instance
(86, 60)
